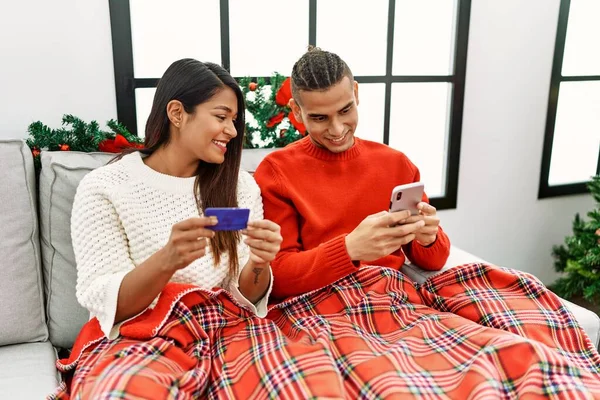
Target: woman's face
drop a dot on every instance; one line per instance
(207, 131)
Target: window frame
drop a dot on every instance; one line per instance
(126, 83)
(545, 189)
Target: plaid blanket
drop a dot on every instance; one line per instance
(476, 331)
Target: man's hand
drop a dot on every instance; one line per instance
(428, 233)
(380, 235)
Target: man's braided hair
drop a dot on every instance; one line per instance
(318, 70)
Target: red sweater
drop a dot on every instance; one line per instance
(318, 197)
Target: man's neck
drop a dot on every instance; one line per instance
(319, 145)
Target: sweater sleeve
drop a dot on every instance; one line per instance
(434, 256)
(249, 196)
(101, 252)
(295, 270)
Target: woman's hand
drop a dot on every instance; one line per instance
(264, 239)
(188, 242)
(142, 284)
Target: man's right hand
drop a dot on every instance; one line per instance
(380, 235)
(187, 243)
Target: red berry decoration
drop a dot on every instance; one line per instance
(35, 152)
(252, 86)
(64, 147)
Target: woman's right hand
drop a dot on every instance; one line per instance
(188, 242)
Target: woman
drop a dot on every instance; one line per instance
(138, 224)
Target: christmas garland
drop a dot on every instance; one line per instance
(76, 135)
(271, 124)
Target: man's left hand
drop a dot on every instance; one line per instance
(428, 233)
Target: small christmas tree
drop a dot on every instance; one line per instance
(579, 257)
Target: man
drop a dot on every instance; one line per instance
(330, 191)
(476, 331)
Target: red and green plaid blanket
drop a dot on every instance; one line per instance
(476, 331)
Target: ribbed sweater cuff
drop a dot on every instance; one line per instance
(432, 257)
(336, 255)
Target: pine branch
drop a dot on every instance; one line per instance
(561, 255)
(117, 127)
(39, 135)
(74, 134)
(568, 287)
(594, 186)
(592, 292)
(579, 257)
(261, 105)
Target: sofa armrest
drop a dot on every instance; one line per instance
(457, 257)
(588, 320)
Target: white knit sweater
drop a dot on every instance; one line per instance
(123, 213)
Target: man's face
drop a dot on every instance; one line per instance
(330, 116)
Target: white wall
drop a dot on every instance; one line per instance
(499, 218)
(57, 58)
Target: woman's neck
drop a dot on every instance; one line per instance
(173, 163)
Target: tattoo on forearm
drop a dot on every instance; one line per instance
(257, 272)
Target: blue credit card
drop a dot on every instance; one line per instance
(230, 219)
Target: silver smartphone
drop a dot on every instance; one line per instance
(407, 197)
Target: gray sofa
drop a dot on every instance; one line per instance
(39, 313)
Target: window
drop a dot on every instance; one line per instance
(408, 56)
(571, 152)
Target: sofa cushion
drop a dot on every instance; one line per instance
(28, 371)
(59, 178)
(252, 157)
(21, 292)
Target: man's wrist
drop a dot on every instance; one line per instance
(347, 240)
(428, 244)
(355, 261)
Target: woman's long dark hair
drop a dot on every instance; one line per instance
(193, 82)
